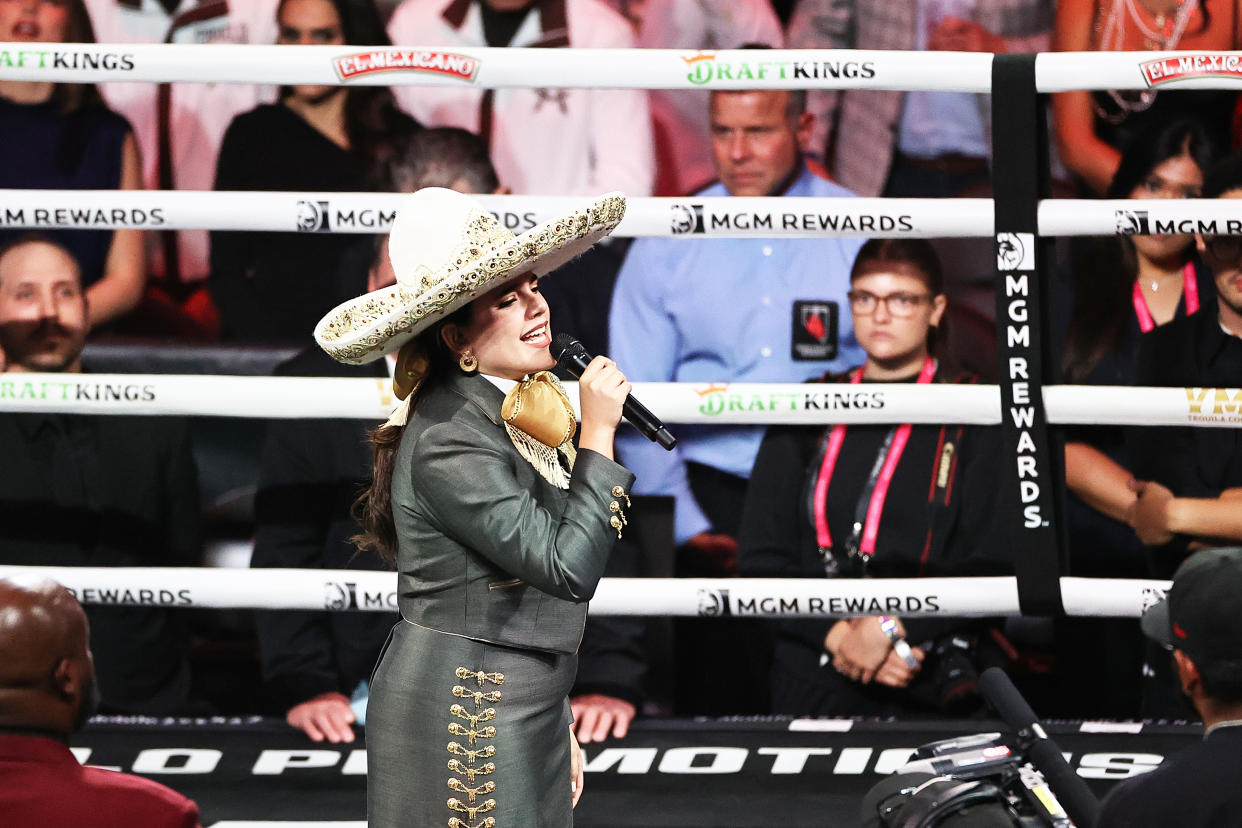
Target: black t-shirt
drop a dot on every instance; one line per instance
(915, 538)
(1192, 461)
(274, 287)
(108, 491)
(1197, 788)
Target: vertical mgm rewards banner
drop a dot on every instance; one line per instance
(1033, 483)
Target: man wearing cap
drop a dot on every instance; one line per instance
(1198, 622)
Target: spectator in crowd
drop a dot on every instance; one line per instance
(1122, 286)
(1093, 129)
(94, 491)
(272, 287)
(882, 501)
(1198, 622)
(1194, 474)
(542, 141)
(911, 144)
(47, 693)
(61, 136)
(179, 127)
(679, 116)
(1199, 351)
(316, 665)
(730, 310)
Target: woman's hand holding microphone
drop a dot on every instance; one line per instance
(602, 390)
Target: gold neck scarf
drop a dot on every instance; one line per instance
(541, 423)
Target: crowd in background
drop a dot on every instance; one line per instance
(885, 501)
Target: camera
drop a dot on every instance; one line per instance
(968, 781)
(954, 680)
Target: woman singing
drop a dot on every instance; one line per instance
(498, 528)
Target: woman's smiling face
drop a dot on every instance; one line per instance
(508, 333)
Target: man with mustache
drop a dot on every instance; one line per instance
(47, 692)
(80, 490)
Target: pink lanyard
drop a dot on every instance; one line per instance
(875, 506)
(1190, 290)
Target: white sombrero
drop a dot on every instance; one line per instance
(446, 250)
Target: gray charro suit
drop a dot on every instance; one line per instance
(495, 566)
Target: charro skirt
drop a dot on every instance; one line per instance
(467, 734)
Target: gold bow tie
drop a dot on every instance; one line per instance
(538, 407)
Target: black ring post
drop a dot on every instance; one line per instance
(1033, 481)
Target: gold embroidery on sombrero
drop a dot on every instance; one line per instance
(488, 252)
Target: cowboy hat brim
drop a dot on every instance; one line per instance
(366, 328)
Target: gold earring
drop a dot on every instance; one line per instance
(467, 362)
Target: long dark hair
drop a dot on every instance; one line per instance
(373, 508)
(377, 129)
(914, 257)
(70, 97)
(1104, 268)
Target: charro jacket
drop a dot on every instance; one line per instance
(487, 549)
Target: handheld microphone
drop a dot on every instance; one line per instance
(1071, 790)
(574, 358)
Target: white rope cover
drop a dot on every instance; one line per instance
(342, 590)
(723, 403)
(689, 218)
(374, 213)
(497, 68)
(604, 68)
(1065, 71)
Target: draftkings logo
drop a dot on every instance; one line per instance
(1131, 222)
(719, 399)
(686, 218)
(57, 59)
(706, 68)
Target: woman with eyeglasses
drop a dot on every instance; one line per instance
(879, 501)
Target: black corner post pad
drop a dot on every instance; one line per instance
(1033, 481)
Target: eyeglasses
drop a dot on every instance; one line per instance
(900, 305)
(1226, 250)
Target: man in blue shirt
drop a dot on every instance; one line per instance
(712, 310)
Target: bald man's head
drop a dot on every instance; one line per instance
(47, 677)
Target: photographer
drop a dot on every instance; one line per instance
(878, 501)
(1198, 622)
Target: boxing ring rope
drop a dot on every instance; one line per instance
(358, 590)
(498, 68)
(685, 403)
(690, 217)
